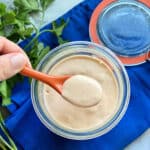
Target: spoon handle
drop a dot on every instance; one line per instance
(55, 81)
(38, 76)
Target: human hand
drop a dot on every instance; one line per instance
(12, 59)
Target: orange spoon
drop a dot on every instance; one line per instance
(55, 81)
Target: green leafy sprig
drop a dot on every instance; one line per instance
(9, 144)
(16, 25)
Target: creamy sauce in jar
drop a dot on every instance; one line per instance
(91, 109)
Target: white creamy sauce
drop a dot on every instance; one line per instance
(90, 96)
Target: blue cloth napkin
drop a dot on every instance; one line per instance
(30, 134)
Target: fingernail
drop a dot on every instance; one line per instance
(18, 61)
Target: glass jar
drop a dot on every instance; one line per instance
(87, 49)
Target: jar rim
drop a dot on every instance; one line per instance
(90, 134)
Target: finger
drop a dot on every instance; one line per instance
(10, 64)
(7, 47)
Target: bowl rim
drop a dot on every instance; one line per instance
(91, 136)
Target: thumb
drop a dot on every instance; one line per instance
(10, 64)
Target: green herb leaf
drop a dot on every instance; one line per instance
(6, 100)
(37, 52)
(57, 28)
(61, 40)
(8, 18)
(23, 16)
(45, 3)
(2, 9)
(27, 5)
(22, 30)
(2, 32)
(1, 118)
(14, 36)
(5, 92)
(43, 52)
(6, 87)
(28, 31)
